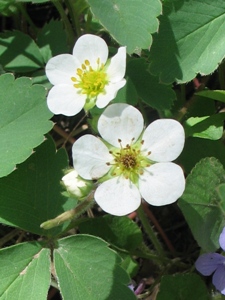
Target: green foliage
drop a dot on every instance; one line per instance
(214, 95)
(34, 1)
(200, 204)
(19, 53)
(118, 17)
(129, 264)
(48, 40)
(168, 42)
(190, 40)
(87, 269)
(127, 94)
(118, 231)
(32, 194)
(209, 127)
(196, 149)
(7, 7)
(24, 120)
(199, 101)
(25, 272)
(148, 87)
(182, 287)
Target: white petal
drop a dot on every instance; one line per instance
(165, 139)
(91, 47)
(120, 121)
(117, 66)
(118, 196)
(162, 183)
(110, 93)
(90, 156)
(65, 99)
(61, 68)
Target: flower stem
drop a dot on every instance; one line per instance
(144, 252)
(74, 18)
(151, 234)
(88, 22)
(69, 29)
(27, 17)
(70, 214)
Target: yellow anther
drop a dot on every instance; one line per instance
(79, 72)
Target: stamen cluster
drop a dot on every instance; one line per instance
(129, 161)
(91, 82)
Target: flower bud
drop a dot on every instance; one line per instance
(76, 185)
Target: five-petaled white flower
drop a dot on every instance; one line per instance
(131, 163)
(85, 78)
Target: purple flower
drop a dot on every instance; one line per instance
(210, 263)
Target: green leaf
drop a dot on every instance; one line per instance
(195, 109)
(127, 94)
(124, 24)
(19, 53)
(25, 272)
(39, 77)
(221, 192)
(32, 194)
(201, 205)
(24, 120)
(87, 269)
(7, 7)
(52, 40)
(78, 7)
(196, 149)
(129, 264)
(33, 1)
(190, 40)
(118, 231)
(153, 93)
(208, 127)
(214, 95)
(182, 287)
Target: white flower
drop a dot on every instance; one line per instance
(85, 78)
(132, 163)
(76, 185)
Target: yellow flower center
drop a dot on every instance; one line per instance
(91, 82)
(129, 161)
